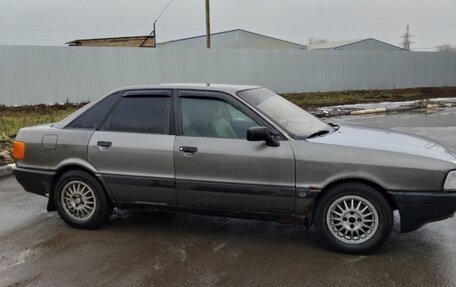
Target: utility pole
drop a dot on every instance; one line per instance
(154, 38)
(208, 26)
(406, 43)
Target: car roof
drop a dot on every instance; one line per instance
(191, 86)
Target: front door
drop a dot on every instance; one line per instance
(216, 167)
(133, 148)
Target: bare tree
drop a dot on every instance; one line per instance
(445, 47)
(314, 40)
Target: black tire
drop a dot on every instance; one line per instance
(96, 201)
(347, 221)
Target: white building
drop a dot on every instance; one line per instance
(233, 39)
(363, 44)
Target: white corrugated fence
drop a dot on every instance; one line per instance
(38, 74)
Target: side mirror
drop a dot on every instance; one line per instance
(261, 134)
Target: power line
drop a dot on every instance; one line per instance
(163, 11)
(155, 21)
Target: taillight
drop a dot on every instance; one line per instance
(18, 150)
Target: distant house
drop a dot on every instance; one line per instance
(233, 39)
(131, 41)
(363, 44)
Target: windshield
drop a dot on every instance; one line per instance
(289, 116)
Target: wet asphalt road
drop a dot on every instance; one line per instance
(172, 249)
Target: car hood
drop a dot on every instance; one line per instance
(387, 140)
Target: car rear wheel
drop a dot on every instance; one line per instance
(81, 201)
(353, 218)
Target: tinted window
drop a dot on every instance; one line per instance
(92, 117)
(149, 114)
(213, 118)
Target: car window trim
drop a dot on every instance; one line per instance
(218, 95)
(142, 93)
(116, 94)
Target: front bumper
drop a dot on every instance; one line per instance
(419, 208)
(34, 180)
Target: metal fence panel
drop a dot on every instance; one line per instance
(36, 74)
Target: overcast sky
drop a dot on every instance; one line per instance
(54, 22)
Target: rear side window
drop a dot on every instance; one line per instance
(92, 117)
(140, 114)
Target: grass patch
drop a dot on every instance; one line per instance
(14, 118)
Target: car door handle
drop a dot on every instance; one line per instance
(190, 149)
(104, 144)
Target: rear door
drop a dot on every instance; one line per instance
(216, 167)
(133, 148)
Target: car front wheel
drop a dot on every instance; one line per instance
(81, 201)
(354, 218)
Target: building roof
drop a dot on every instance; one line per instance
(339, 44)
(75, 42)
(231, 31)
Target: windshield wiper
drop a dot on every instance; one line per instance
(319, 133)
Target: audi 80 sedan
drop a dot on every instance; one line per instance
(239, 151)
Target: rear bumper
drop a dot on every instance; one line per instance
(419, 208)
(35, 181)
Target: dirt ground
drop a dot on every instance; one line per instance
(320, 99)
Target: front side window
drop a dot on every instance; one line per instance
(139, 114)
(205, 117)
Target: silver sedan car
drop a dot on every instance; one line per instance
(239, 151)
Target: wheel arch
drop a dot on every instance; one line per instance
(63, 168)
(370, 183)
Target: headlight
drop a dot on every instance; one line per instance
(450, 181)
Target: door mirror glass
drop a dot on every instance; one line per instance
(261, 134)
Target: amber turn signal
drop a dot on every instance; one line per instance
(18, 150)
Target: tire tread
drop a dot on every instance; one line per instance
(103, 210)
(360, 189)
